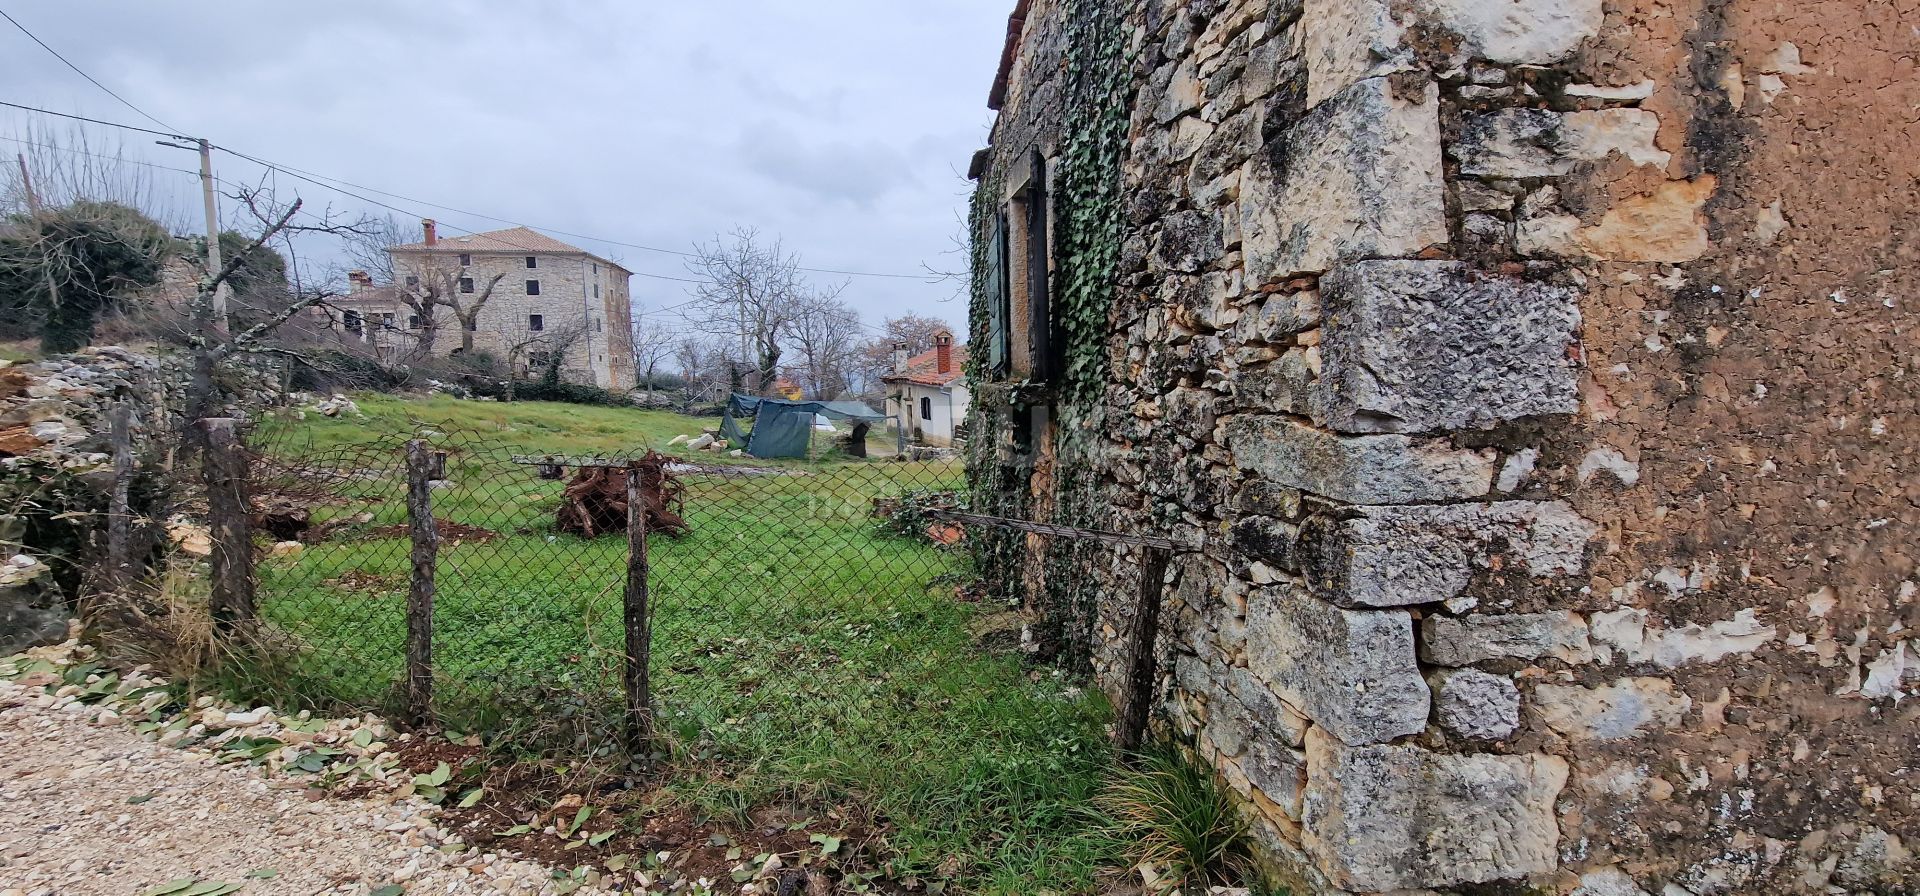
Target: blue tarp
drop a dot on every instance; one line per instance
(784, 428)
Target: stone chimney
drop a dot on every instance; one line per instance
(431, 232)
(358, 281)
(943, 352)
(899, 357)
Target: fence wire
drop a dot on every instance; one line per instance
(800, 602)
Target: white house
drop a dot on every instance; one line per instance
(927, 394)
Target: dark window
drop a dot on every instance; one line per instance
(539, 359)
(926, 408)
(466, 284)
(532, 262)
(599, 325)
(413, 321)
(596, 268)
(596, 290)
(413, 282)
(536, 322)
(465, 259)
(354, 322)
(386, 320)
(533, 287)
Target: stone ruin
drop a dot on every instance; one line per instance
(1536, 378)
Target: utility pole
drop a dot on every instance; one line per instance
(213, 238)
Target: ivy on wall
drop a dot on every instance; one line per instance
(1089, 227)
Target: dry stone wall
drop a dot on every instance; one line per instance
(1536, 380)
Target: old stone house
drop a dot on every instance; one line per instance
(547, 298)
(927, 394)
(1534, 383)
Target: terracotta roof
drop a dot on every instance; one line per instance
(1016, 26)
(513, 240)
(923, 369)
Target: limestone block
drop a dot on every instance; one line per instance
(1279, 773)
(1398, 818)
(1188, 241)
(1607, 881)
(1279, 317)
(1358, 176)
(1375, 469)
(1419, 554)
(1668, 224)
(1267, 540)
(1472, 703)
(1351, 672)
(1624, 709)
(1417, 346)
(1348, 40)
(1465, 640)
(1521, 143)
(1271, 717)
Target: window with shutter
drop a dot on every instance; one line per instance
(998, 298)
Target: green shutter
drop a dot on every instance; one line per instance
(998, 301)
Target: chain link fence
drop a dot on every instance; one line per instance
(789, 602)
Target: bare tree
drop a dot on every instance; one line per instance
(827, 333)
(544, 352)
(652, 346)
(751, 293)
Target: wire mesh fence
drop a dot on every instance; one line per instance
(791, 602)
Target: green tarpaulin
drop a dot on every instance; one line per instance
(784, 428)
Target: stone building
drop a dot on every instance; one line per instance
(1534, 380)
(549, 297)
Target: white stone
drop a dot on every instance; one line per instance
(1517, 31)
(1608, 881)
(1372, 469)
(1398, 818)
(1406, 555)
(1475, 704)
(1359, 176)
(1351, 672)
(1624, 709)
(1465, 640)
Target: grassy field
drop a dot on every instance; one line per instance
(800, 653)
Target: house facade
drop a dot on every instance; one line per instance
(927, 394)
(1534, 398)
(536, 298)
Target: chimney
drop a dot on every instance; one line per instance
(899, 357)
(431, 231)
(358, 280)
(943, 352)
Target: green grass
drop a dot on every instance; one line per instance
(799, 654)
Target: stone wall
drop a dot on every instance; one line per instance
(1535, 380)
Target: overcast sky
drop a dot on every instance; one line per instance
(842, 126)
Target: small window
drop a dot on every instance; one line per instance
(413, 321)
(532, 262)
(533, 287)
(926, 408)
(596, 269)
(466, 284)
(413, 282)
(465, 259)
(596, 290)
(599, 325)
(539, 359)
(386, 319)
(354, 322)
(536, 322)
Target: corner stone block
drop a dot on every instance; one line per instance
(1418, 346)
(1347, 40)
(1420, 554)
(1358, 176)
(1373, 469)
(1350, 672)
(1401, 818)
(1456, 641)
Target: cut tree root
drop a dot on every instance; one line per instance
(595, 502)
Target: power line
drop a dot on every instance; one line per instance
(110, 124)
(76, 69)
(96, 155)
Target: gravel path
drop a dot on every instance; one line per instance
(88, 807)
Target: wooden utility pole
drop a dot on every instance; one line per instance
(426, 550)
(220, 323)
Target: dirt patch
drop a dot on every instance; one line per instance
(366, 582)
(630, 823)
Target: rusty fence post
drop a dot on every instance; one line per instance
(422, 467)
(635, 611)
(223, 471)
(1130, 724)
(120, 506)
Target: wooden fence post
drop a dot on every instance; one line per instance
(120, 506)
(636, 615)
(1130, 727)
(421, 469)
(224, 473)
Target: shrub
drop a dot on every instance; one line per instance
(542, 390)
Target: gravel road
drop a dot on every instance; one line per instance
(88, 807)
